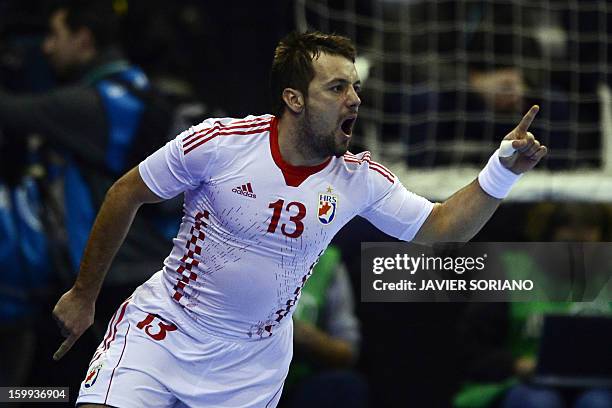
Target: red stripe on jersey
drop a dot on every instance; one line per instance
(372, 166)
(381, 168)
(238, 123)
(385, 175)
(367, 157)
(218, 126)
(118, 361)
(262, 126)
(225, 133)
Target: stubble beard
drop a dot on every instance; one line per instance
(318, 144)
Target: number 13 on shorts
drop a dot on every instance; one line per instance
(158, 333)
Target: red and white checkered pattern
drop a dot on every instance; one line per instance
(188, 261)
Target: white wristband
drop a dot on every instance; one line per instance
(495, 179)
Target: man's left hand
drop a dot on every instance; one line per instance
(528, 150)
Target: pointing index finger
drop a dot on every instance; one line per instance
(65, 346)
(528, 118)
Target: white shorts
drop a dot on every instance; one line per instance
(150, 358)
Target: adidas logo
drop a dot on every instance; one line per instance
(245, 190)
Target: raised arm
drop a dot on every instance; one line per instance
(460, 217)
(74, 312)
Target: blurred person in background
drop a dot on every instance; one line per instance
(25, 272)
(100, 121)
(500, 339)
(326, 341)
(473, 65)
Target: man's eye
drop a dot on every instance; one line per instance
(337, 88)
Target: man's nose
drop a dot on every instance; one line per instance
(353, 98)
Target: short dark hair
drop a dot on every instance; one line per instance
(292, 64)
(96, 15)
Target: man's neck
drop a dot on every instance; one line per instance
(290, 140)
(104, 64)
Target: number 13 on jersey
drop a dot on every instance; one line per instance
(297, 212)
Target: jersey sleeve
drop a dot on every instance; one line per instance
(177, 166)
(393, 209)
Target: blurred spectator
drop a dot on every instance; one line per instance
(25, 270)
(24, 274)
(473, 66)
(501, 338)
(98, 124)
(326, 341)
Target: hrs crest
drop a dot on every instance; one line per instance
(328, 204)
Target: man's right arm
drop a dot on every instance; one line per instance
(74, 311)
(163, 175)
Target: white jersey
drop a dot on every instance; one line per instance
(254, 225)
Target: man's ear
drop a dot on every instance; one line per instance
(294, 100)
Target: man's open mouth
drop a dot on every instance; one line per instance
(347, 125)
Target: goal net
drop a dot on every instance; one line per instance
(444, 81)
